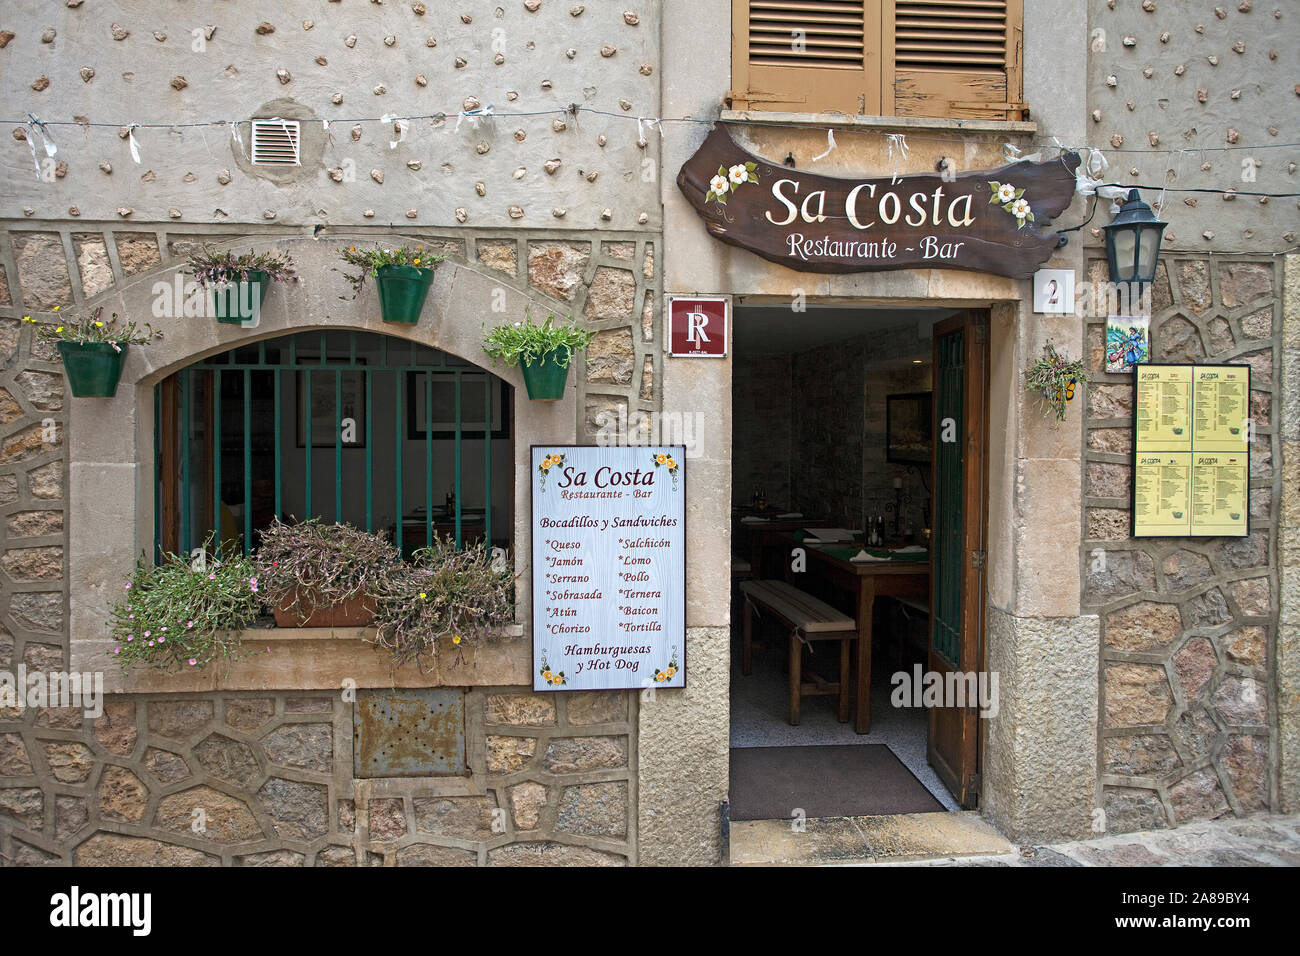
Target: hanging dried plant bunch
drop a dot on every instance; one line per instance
(1056, 378)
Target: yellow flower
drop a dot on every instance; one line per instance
(671, 463)
(671, 671)
(546, 675)
(417, 262)
(56, 308)
(27, 318)
(546, 465)
(456, 639)
(99, 325)
(59, 329)
(423, 595)
(661, 458)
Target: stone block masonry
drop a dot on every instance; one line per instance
(266, 780)
(1190, 632)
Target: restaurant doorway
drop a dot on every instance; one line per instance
(859, 504)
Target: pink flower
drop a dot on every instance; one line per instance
(117, 650)
(189, 623)
(193, 661)
(211, 577)
(148, 633)
(151, 643)
(130, 637)
(161, 639)
(252, 584)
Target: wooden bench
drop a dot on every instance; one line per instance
(809, 620)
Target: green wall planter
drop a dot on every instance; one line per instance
(93, 367)
(545, 379)
(237, 302)
(402, 290)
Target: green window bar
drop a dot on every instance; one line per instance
(258, 404)
(397, 417)
(216, 459)
(456, 468)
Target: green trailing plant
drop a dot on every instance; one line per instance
(315, 565)
(528, 341)
(211, 268)
(466, 596)
(1055, 377)
(367, 262)
(184, 613)
(94, 328)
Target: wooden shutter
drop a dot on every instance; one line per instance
(958, 59)
(806, 56)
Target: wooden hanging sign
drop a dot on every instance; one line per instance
(978, 221)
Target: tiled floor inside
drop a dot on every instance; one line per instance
(760, 708)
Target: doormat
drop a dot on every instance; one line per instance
(769, 783)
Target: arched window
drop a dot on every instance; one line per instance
(375, 431)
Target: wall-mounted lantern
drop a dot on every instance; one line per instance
(1133, 242)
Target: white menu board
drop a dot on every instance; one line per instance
(609, 567)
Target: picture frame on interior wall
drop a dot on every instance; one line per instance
(325, 421)
(908, 428)
(444, 406)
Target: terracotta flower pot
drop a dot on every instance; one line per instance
(356, 611)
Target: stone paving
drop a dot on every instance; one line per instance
(1264, 840)
(966, 839)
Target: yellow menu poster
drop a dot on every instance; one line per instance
(1161, 485)
(1221, 410)
(1164, 403)
(1191, 451)
(1219, 485)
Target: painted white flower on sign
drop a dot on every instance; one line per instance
(1012, 200)
(728, 180)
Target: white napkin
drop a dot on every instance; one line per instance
(830, 534)
(752, 519)
(863, 556)
(791, 514)
(910, 549)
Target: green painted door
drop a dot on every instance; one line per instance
(957, 572)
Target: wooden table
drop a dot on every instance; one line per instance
(866, 580)
(755, 538)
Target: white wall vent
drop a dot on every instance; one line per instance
(275, 142)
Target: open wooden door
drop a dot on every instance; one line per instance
(958, 549)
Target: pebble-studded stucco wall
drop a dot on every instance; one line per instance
(1199, 95)
(1192, 96)
(560, 204)
(347, 64)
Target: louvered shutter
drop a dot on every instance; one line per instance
(956, 58)
(806, 56)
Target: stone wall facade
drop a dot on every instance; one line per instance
(256, 780)
(1189, 625)
(1192, 676)
(273, 773)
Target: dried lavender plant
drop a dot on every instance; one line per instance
(467, 595)
(318, 565)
